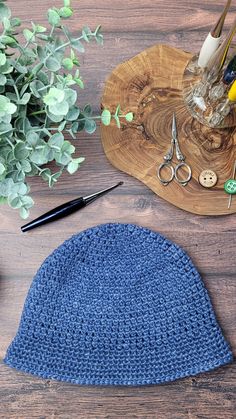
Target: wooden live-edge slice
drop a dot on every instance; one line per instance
(150, 85)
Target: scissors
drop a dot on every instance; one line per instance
(168, 158)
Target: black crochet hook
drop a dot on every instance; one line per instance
(66, 209)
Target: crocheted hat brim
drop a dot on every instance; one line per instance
(118, 305)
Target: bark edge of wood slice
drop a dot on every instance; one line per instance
(150, 85)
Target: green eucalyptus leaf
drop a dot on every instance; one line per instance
(24, 213)
(81, 123)
(35, 87)
(106, 117)
(6, 24)
(59, 108)
(41, 52)
(5, 128)
(74, 128)
(21, 68)
(76, 44)
(26, 166)
(73, 114)
(22, 124)
(67, 63)
(117, 121)
(70, 96)
(99, 39)
(40, 29)
(6, 68)
(6, 119)
(43, 37)
(90, 126)
(79, 159)
(15, 21)
(55, 118)
(39, 157)
(14, 200)
(25, 99)
(65, 12)
(80, 82)
(86, 32)
(3, 80)
(87, 111)
(20, 188)
(27, 201)
(72, 54)
(4, 12)
(32, 138)
(62, 125)
(34, 170)
(54, 96)
(8, 40)
(117, 110)
(53, 17)
(6, 107)
(72, 167)
(66, 3)
(29, 35)
(6, 187)
(64, 156)
(2, 169)
(129, 117)
(18, 176)
(67, 147)
(3, 58)
(20, 151)
(56, 140)
(52, 64)
(43, 77)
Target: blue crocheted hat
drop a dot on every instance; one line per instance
(118, 304)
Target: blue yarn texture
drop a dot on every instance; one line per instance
(118, 304)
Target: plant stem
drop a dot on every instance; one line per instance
(26, 45)
(15, 88)
(52, 30)
(37, 113)
(9, 142)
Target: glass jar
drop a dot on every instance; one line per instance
(207, 100)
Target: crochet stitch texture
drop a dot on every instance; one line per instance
(118, 305)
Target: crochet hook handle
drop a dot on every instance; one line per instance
(213, 39)
(66, 209)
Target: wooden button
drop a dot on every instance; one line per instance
(208, 178)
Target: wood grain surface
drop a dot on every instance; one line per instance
(151, 86)
(129, 27)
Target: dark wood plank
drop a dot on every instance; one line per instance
(129, 27)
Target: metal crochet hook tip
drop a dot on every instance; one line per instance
(90, 198)
(217, 29)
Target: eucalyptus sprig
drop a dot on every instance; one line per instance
(39, 102)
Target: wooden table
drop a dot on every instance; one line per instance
(129, 27)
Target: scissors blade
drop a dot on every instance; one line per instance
(174, 127)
